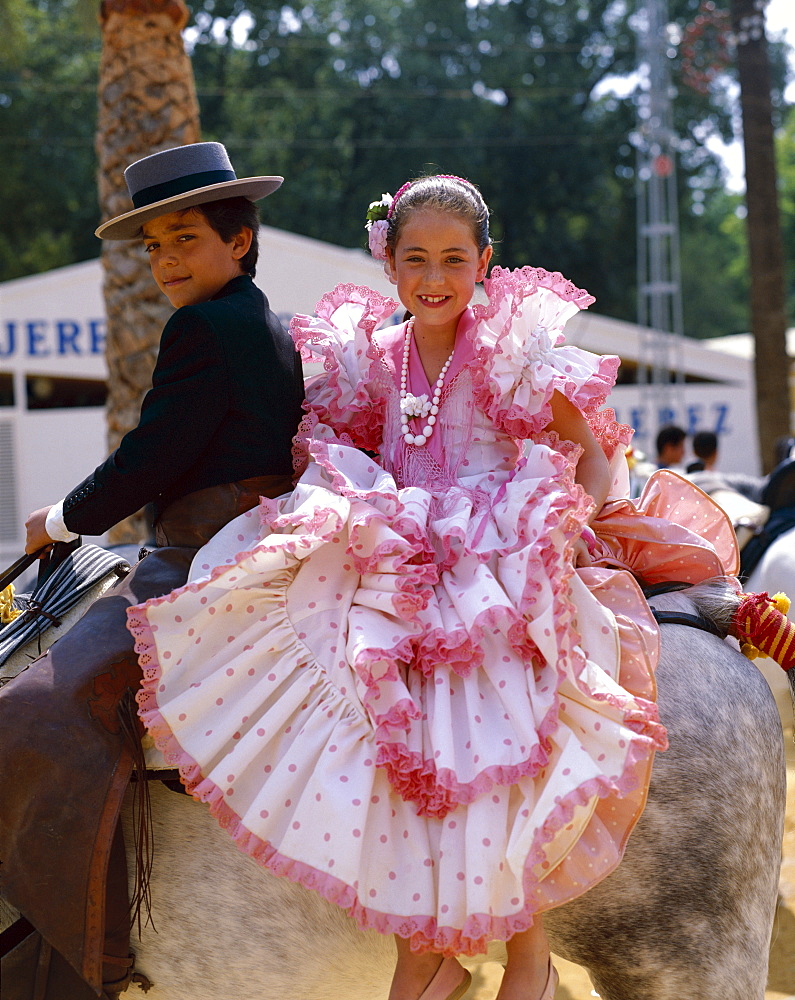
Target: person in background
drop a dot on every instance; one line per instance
(705, 448)
(670, 446)
(785, 447)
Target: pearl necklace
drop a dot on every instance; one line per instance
(418, 406)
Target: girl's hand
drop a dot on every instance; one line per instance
(582, 554)
(585, 547)
(37, 537)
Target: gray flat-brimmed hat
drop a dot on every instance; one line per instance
(179, 178)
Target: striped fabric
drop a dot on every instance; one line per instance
(764, 628)
(75, 576)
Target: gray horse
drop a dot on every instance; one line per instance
(688, 913)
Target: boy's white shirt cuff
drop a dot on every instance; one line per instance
(55, 527)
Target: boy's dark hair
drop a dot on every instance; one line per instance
(671, 434)
(705, 444)
(228, 217)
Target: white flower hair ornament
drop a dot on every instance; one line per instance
(377, 226)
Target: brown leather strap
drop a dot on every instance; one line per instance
(194, 519)
(42, 970)
(64, 768)
(30, 967)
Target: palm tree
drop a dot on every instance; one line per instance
(147, 102)
(768, 291)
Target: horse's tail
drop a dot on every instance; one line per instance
(717, 600)
(759, 622)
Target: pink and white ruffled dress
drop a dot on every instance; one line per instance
(391, 685)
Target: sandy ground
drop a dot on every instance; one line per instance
(574, 981)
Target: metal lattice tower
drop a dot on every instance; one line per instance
(658, 270)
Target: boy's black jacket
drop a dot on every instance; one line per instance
(224, 405)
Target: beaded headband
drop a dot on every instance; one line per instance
(378, 225)
(408, 184)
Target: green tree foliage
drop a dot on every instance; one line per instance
(352, 98)
(48, 81)
(786, 173)
(12, 16)
(349, 98)
(715, 281)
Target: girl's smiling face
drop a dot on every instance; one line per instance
(436, 265)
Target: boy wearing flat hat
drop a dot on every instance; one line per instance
(214, 435)
(227, 387)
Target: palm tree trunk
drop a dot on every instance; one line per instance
(768, 293)
(147, 102)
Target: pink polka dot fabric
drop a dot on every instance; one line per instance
(391, 685)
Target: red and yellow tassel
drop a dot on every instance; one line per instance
(7, 610)
(762, 626)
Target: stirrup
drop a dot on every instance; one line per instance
(112, 988)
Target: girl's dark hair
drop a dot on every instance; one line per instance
(449, 194)
(228, 217)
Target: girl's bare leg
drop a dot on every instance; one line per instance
(528, 965)
(413, 971)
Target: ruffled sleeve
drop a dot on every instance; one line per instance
(522, 357)
(347, 397)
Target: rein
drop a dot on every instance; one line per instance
(683, 618)
(698, 621)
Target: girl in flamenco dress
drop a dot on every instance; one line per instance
(422, 684)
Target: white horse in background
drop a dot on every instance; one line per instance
(774, 573)
(688, 913)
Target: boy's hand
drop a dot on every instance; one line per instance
(37, 537)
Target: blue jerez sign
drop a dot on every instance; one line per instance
(694, 417)
(38, 338)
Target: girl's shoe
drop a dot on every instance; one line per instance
(450, 982)
(552, 983)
